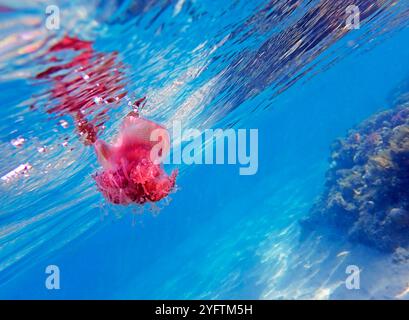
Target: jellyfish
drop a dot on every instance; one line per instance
(83, 88)
(132, 169)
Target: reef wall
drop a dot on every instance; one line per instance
(366, 194)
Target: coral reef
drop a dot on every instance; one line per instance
(366, 193)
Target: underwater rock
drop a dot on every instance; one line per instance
(366, 193)
(401, 255)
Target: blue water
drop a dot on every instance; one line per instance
(212, 65)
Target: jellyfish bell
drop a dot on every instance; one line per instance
(132, 169)
(139, 135)
(138, 139)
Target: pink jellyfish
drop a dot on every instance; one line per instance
(132, 169)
